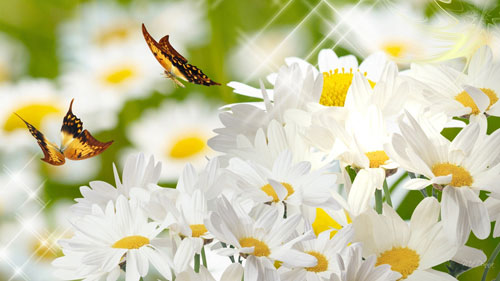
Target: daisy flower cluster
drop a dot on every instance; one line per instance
(299, 188)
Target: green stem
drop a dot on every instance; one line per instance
(378, 201)
(196, 263)
(398, 181)
(490, 261)
(225, 246)
(424, 192)
(351, 172)
(498, 277)
(387, 193)
(204, 257)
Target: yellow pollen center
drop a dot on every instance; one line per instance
(335, 87)
(459, 175)
(119, 75)
(492, 95)
(377, 158)
(269, 190)
(46, 249)
(114, 33)
(187, 146)
(131, 242)
(402, 260)
(33, 113)
(322, 262)
(198, 230)
(260, 250)
(395, 49)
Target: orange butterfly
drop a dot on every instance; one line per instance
(175, 64)
(75, 144)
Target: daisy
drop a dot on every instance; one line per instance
(186, 127)
(402, 33)
(104, 241)
(457, 93)
(411, 250)
(262, 240)
(325, 250)
(292, 184)
(460, 168)
(139, 179)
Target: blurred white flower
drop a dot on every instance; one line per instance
(139, 179)
(180, 131)
(233, 272)
(404, 34)
(263, 52)
(460, 168)
(119, 235)
(411, 250)
(13, 58)
(325, 251)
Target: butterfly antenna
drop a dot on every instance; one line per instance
(70, 110)
(20, 118)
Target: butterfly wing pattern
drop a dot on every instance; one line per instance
(51, 153)
(176, 66)
(75, 143)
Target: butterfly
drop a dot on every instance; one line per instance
(176, 66)
(75, 145)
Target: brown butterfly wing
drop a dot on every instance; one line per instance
(194, 75)
(85, 146)
(166, 47)
(51, 153)
(162, 56)
(71, 128)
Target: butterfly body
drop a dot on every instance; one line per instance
(76, 143)
(175, 65)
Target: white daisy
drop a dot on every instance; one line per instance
(139, 179)
(411, 250)
(293, 184)
(180, 130)
(262, 240)
(325, 251)
(460, 168)
(354, 268)
(402, 33)
(457, 93)
(107, 239)
(493, 204)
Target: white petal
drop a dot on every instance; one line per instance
(469, 256)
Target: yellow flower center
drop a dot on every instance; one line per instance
(395, 48)
(459, 175)
(402, 260)
(113, 33)
(335, 87)
(131, 242)
(466, 100)
(198, 230)
(187, 146)
(377, 158)
(119, 75)
(322, 262)
(324, 222)
(269, 190)
(46, 249)
(33, 113)
(260, 250)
